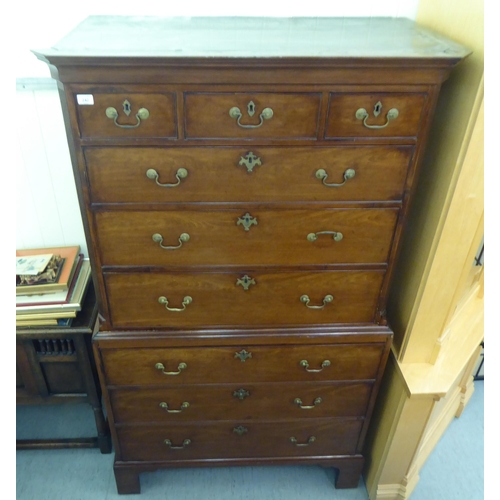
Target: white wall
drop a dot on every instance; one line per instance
(47, 211)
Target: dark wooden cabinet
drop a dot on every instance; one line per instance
(55, 365)
(244, 186)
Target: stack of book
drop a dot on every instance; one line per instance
(51, 284)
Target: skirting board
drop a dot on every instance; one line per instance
(431, 437)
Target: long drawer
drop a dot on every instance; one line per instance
(170, 300)
(245, 236)
(218, 365)
(239, 174)
(240, 439)
(244, 401)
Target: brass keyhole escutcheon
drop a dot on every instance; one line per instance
(127, 108)
(243, 355)
(247, 221)
(240, 430)
(245, 282)
(241, 394)
(250, 161)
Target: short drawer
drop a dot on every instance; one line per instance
(240, 439)
(239, 174)
(249, 115)
(219, 365)
(245, 237)
(178, 300)
(244, 401)
(126, 115)
(374, 115)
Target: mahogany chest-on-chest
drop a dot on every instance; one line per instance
(244, 184)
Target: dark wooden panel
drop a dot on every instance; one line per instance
(93, 121)
(216, 299)
(243, 401)
(63, 378)
(294, 115)
(280, 236)
(262, 439)
(218, 365)
(342, 120)
(118, 175)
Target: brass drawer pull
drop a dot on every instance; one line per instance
(183, 407)
(185, 443)
(142, 114)
(316, 402)
(336, 235)
(309, 441)
(186, 301)
(182, 173)
(267, 114)
(183, 238)
(305, 364)
(161, 367)
(326, 300)
(362, 114)
(322, 175)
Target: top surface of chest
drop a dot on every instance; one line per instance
(254, 37)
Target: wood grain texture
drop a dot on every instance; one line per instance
(118, 175)
(218, 440)
(219, 364)
(342, 121)
(216, 238)
(314, 96)
(217, 300)
(93, 121)
(295, 115)
(274, 401)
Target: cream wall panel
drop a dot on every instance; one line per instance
(48, 213)
(461, 20)
(59, 162)
(28, 233)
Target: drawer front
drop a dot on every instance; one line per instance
(144, 300)
(151, 175)
(231, 237)
(99, 121)
(292, 115)
(386, 115)
(244, 401)
(240, 439)
(219, 365)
